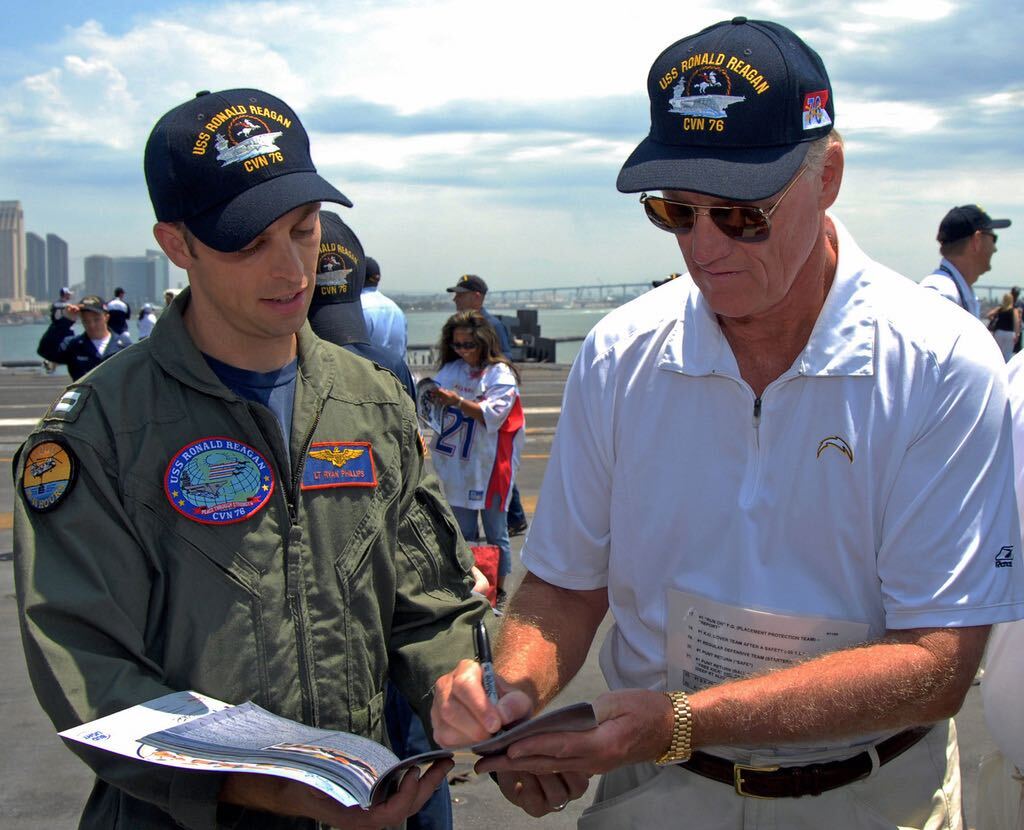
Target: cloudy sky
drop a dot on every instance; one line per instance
(485, 137)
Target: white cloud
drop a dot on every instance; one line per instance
(96, 101)
(893, 117)
(915, 10)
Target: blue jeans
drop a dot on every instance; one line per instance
(408, 737)
(495, 531)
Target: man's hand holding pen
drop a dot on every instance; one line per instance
(469, 707)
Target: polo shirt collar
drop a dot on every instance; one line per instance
(842, 342)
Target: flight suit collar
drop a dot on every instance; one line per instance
(173, 348)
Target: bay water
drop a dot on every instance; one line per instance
(19, 342)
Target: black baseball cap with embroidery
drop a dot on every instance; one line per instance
(336, 313)
(467, 283)
(964, 220)
(230, 163)
(92, 303)
(733, 109)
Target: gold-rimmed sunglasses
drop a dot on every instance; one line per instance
(744, 222)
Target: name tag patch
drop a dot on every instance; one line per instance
(218, 481)
(50, 472)
(339, 464)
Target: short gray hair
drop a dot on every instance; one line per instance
(814, 161)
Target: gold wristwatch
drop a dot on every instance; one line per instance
(682, 730)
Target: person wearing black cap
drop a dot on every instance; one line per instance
(468, 294)
(261, 521)
(386, 325)
(120, 312)
(84, 351)
(787, 484)
(967, 240)
(336, 315)
(336, 312)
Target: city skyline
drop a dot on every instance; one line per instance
(34, 266)
(483, 141)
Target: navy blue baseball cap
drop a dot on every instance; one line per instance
(733, 110)
(336, 312)
(964, 220)
(230, 163)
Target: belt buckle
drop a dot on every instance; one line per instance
(738, 782)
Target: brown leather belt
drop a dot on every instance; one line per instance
(793, 782)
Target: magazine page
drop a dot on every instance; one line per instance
(191, 731)
(251, 734)
(124, 733)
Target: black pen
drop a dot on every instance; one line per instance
(483, 657)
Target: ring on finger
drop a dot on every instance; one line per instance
(561, 806)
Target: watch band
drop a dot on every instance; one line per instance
(682, 730)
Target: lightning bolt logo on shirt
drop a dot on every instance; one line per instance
(836, 442)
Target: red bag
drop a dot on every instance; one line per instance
(487, 557)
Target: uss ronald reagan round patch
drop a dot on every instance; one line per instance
(218, 481)
(51, 469)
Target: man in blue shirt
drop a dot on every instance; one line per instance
(386, 325)
(468, 294)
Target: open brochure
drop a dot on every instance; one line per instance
(191, 731)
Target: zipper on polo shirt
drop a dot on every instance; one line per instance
(757, 422)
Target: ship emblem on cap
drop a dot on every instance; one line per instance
(705, 93)
(248, 136)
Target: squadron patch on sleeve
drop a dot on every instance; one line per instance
(51, 469)
(339, 464)
(218, 481)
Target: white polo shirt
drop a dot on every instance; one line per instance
(872, 483)
(1004, 657)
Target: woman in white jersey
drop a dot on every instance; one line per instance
(476, 454)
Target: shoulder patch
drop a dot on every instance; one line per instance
(69, 405)
(339, 464)
(49, 475)
(218, 481)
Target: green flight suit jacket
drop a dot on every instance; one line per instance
(306, 606)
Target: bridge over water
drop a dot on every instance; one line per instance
(611, 294)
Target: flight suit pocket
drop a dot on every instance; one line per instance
(369, 720)
(429, 541)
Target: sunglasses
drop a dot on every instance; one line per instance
(464, 346)
(745, 222)
(995, 237)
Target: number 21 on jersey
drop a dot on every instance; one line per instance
(461, 439)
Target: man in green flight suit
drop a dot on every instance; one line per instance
(261, 525)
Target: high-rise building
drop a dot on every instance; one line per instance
(35, 267)
(144, 278)
(12, 251)
(99, 276)
(163, 271)
(56, 264)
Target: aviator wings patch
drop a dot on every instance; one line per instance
(339, 464)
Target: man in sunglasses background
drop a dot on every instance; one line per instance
(966, 242)
(788, 476)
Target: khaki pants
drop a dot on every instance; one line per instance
(920, 789)
(1000, 794)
